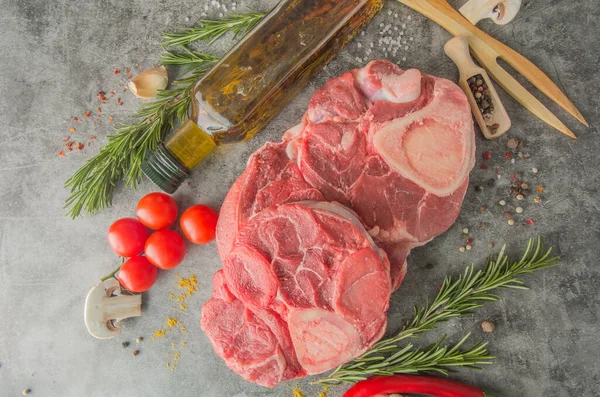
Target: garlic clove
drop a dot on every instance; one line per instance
(147, 84)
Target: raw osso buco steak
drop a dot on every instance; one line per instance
(315, 233)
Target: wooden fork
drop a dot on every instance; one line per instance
(487, 50)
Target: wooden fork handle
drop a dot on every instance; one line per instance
(487, 50)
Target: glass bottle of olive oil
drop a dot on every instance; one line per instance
(257, 78)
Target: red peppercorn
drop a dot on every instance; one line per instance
(469, 240)
(508, 155)
(529, 221)
(498, 171)
(487, 155)
(484, 166)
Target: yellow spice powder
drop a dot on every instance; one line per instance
(160, 333)
(296, 392)
(324, 392)
(188, 285)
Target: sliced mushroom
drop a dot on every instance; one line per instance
(106, 307)
(500, 11)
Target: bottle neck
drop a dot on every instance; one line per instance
(172, 162)
(190, 144)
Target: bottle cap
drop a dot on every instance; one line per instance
(164, 170)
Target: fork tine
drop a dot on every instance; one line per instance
(539, 79)
(525, 98)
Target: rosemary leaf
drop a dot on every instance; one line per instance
(211, 30)
(458, 296)
(189, 59)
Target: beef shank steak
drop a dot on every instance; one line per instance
(315, 232)
(303, 290)
(395, 146)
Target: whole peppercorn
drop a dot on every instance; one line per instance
(488, 326)
(487, 155)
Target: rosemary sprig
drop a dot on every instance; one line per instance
(211, 30)
(187, 59)
(458, 296)
(436, 358)
(91, 187)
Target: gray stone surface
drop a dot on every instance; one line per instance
(54, 57)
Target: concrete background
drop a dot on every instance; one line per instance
(55, 56)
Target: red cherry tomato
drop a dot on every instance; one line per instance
(199, 224)
(157, 210)
(127, 237)
(137, 274)
(165, 249)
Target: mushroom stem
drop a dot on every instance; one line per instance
(122, 306)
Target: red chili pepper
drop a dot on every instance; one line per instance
(429, 385)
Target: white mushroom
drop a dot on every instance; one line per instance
(105, 307)
(500, 11)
